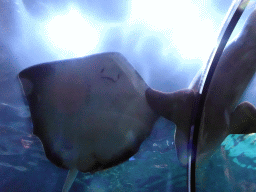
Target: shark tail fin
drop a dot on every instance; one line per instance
(182, 135)
(243, 119)
(70, 179)
(177, 107)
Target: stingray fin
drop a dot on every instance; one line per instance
(243, 119)
(70, 179)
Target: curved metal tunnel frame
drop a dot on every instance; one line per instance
(233, 16)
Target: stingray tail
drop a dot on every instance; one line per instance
(70, 179)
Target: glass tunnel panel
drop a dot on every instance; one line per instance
(227, 117)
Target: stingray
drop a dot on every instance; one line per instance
(90, 113)
(221, 115)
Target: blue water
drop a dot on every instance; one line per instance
(24, 166)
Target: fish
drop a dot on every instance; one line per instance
(90, 113)
(222, 113)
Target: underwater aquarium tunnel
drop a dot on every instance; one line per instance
(127, 95)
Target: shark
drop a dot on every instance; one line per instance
(222, 113)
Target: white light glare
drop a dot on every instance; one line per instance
(72, 33)
(192, 34)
